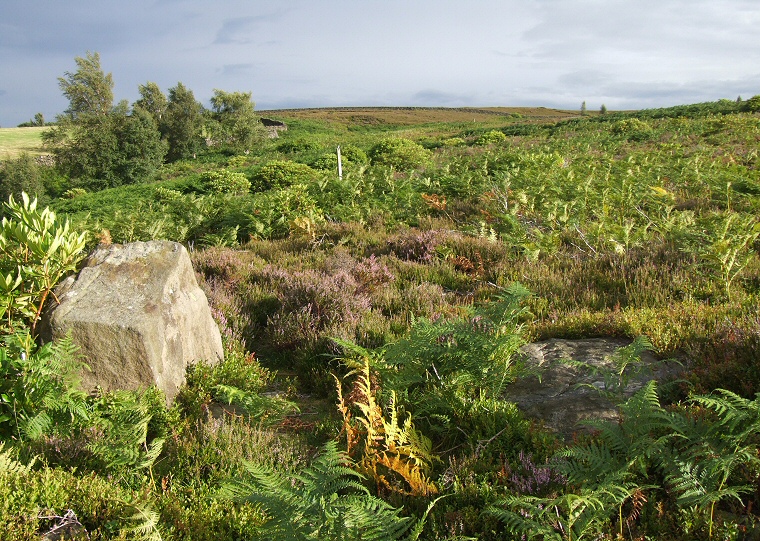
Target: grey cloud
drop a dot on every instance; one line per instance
(235, 69)
(439, 98)
(639, 95)
(241, 30)
(583, 79)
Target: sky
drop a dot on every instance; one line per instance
(625, 54)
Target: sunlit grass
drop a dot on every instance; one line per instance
(14, 141)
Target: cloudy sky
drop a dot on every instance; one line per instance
(317, 53)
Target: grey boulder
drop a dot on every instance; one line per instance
(138, 316)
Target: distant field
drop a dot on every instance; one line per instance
(407, 116)
(14, 141)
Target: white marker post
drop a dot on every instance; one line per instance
(340, 165)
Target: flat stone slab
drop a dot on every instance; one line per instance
(561, 397)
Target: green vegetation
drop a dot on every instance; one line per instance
(386, 309)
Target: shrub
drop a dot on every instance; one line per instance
(281, 174)
(633, 129)
(353, 154)
(100, 507)
(349, 154)
(402, 154)
(416, 245)
(453, 142)
(21, 175)
(274, 211)
(297, 145)
(73, 193)
(36, 251)
(225, 181)
(238, 161)
(492, 137)
(752, 105)
(327, 162)
(313, 305)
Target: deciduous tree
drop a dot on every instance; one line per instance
(233, 123)
(88, 89)
(99, 145)
(152, 100)
(19, 175)
(182, 125)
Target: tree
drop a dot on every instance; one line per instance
(752, 105)
(97, 144)
(182, 125)
(121, 148)
(89, 90)
(140, 149)
(603, 110)
(583, 108)
(233, 122)
(152, 100)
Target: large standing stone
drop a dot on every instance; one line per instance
(138, 316)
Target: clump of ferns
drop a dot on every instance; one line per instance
(701, 458)
(327, 500)
(379, 435)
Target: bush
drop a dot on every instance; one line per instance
(453, 142)
(281, 174)
(21, 175)
(402, 154)
(278, 212)
(297, 145)
(36, 251)
(349, 154)
(633, 129)
(225, 181)
(492, 137)
(353, 154)
(752, 105)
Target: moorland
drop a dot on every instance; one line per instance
(372, 323)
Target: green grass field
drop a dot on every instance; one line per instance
(14, 141)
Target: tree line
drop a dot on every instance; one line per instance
(98, 144)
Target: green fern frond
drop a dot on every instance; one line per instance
(325, 501)
(144, 522)
(36, 426)
(8, 464)
(266, 410)
(735, 414)
(151, 455)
